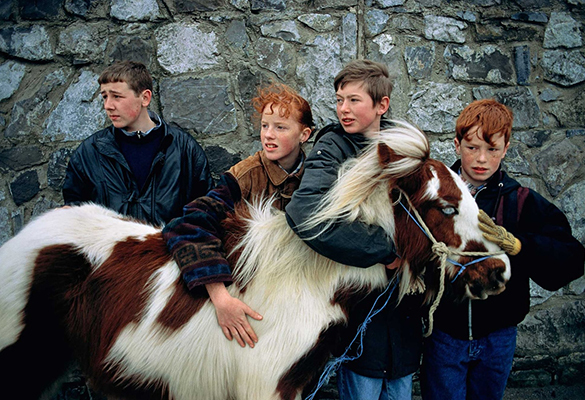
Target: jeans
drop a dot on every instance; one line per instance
(352, 386)
(455, 369)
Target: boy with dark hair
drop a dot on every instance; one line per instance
(470, 353)
(138, 166)
(392, 343)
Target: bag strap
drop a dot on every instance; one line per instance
(519, 196)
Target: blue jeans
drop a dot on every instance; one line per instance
(455, 369)
(352, 386)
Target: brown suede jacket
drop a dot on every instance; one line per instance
(260, 177)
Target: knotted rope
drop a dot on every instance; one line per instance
(442, 252)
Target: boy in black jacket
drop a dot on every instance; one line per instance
(393, 341)
(470, 353)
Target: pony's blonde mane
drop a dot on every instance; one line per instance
(361, 190)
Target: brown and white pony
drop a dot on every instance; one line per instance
(89, 283)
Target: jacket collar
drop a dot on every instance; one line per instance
(276, 174)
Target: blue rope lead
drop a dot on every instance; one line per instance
(333, 365)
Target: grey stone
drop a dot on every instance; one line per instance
(220, 159)
(403, 23)
(6, 231)
(375, 21)
(184, 47)
(549, 94)
(569, 110)
(241, 5)
(572, 369)
(348, 37)
(285, 30)
(317, 65)
(28, 114)
(197, 5)
(533, 138)
(79, 114)
(530, 16)
(135, 10)
(389, 3)
(24, 187)
(132, 48)
(42, 205)
(78, 7)
(260, 5)
(557, 165)
(11, 74)
(572, 204)
(319, 22)
(333, 4)
(56, 168)
(85, 42)
(20, 157)
(45, 9)
(522, 63)
(519, 99)
(575, 132)
(419, 61)
(205, 105)
(484, 65)
(567, 68)
(555, 328)
(434, 107)
(276, 56)
(562, 31)
(515, 162)
(444, 29)
(467, 16)
(31, 43)
(444, 151)
(7, 10)
(248, 84)
(236, 35)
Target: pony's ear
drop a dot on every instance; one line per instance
(386, 155)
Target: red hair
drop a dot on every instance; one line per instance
(488, 115)
(288, 101)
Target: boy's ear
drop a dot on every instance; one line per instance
(146, 97)
(457, 147)
(386, 155)
(305, 134)
(383, 105)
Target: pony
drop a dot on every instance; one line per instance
(88, 283)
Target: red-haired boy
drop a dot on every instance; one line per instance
(470, 353)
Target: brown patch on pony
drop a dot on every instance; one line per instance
(181, 307)
(235, 226)
(42, 350)
(92, 306)
(386, 155)
(304, 374)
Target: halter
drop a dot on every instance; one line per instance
(442, 252)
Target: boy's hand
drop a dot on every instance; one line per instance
(498, 235)
(232, 315)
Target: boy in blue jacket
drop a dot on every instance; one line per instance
(392, 343)
(469, 355)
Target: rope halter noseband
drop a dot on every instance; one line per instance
(442, 252)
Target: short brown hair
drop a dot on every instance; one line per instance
(133, 73)
(374, 75)
(489, 115)
(288, 101)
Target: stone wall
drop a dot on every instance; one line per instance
(207, 58)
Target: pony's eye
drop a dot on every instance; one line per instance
(449, 210)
